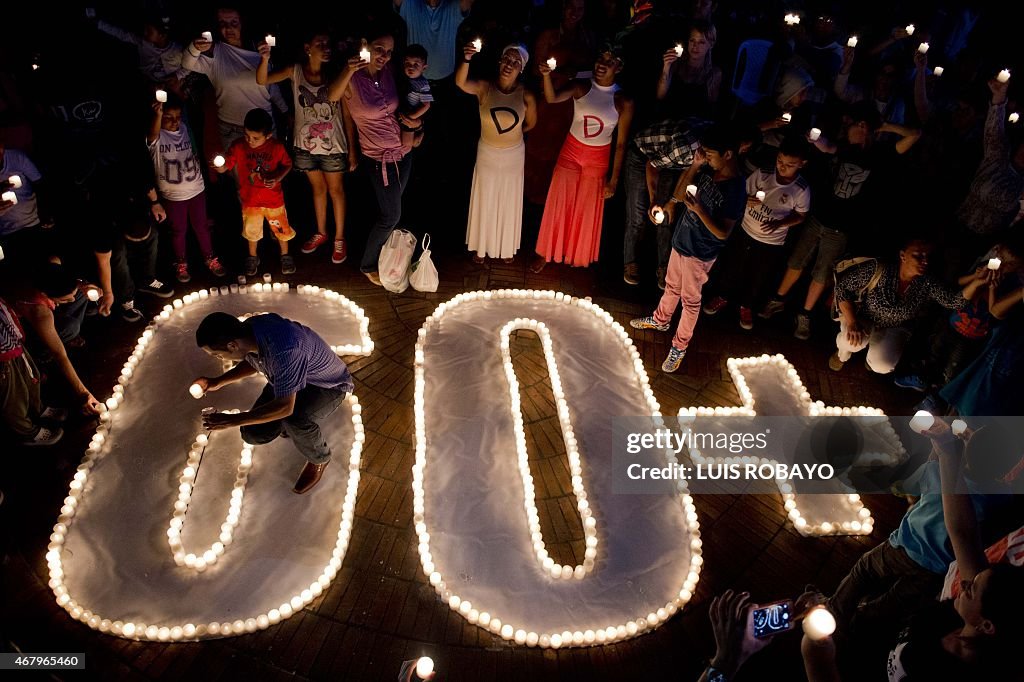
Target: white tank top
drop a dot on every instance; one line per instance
(595, 115)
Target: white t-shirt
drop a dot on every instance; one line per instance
(179, 175)
(232, 71)
(595, 115)
(156, 63)
(24, 213)
(780, 201)
(318, 128)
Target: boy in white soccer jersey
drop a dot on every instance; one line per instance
(179, 181)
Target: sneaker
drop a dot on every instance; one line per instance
(912, 381)
(287, 264)
(772, 308)
(648, 323)
(252, 264)
(715, 305)
(45, 436)
(630, 274)
(746, 318)
(129, 313)
(661, 278)
(54, 414)
(158, 289)
(803, 327)
(314, 242)
(340, 252)
(834, 363)
(213, 263)
(674, 359)
(181, 272)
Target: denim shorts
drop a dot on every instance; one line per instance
(829, 244)
(328, 163)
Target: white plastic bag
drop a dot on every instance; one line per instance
(393, 264)
(423, 274)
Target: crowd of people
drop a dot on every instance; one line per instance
(775, 160)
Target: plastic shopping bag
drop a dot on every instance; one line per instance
(393, 264)
(423, 274)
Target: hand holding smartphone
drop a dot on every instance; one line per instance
(771, 619)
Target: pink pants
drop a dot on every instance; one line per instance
(179, 215)
(685, 277)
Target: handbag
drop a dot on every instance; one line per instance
(393, 264)
(423, 274)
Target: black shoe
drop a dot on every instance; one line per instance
(129, 313)
(158, 289)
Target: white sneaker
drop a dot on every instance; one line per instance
(45, 436)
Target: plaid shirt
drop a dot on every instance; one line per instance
(12, 337)
(671, 144)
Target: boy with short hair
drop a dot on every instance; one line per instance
(418, 99)
(701, 231)
(179, 180)
(262, 162)
(776, 201)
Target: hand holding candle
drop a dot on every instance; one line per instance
(197, 391)
(552, 63)
(760, 195)
(910, 29)
(814, 134)
(994, 263)
(937, 70)
(1014, 117)
(819, 623)
(659, 216)
(852, 41)
(679, 50)
(1003, 76)
(787, 117)
(424, 667)
(478, 44)
(922, 421)
(270, 40)
(207, 36)
(219, 161)
(691, 190)
(92, 294)
(792, 19)
(161, 96)
(958, 427)
(364, 54)
(9, 196)
(923, 48)
(15, 181)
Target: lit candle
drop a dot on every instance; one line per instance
(478, 44)
(15, 181)
(552, 63)
(691, 190)
(424, 667)
(910, 29)
(208, 36)
(792, 19)
(218, 161)
(852, 42)
(196, 390)
(1003, 76)
(922, 421)
(814, 134)
(937, 70)
(994, 263)
(819, 623)
(679, 50)
(958, 427)
(364, 54)
(787, 117)
(93, 295)
(923, 48)
(266, 277)
(271, 40)
(161, 96)
(659, 217)
(1014, 117)
(760, 195)
(9, 196)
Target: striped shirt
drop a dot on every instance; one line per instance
(292, 356)
(12, 337)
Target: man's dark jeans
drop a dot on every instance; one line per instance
(313, 405)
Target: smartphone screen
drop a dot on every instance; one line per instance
(772, 619)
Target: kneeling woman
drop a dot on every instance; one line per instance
(507, 110)
(570, 231)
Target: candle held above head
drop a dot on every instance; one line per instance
(552, 63)
(1003, 76)
(937, 70)
(424, 667)
(923, 48)
(1014, 117)
(814, 134)
(852, 42)
(910, 29)
(161, 96)
(270, 40)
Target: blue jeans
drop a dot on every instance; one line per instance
(312, 406)
(638, 204)
(67, 317)
(389, 201)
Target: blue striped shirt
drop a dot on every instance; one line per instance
(292, 356)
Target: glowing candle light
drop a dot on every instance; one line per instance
(552, 63)
(161, 96)
(792, 19)
(267, 278)
(207, 36)
(478, 44)
(819, 623)
(364, 54)
(922, 421)
(852, 42)
(787, 117)
(691, 190)
(994, 263)
(814, 134)
(958, 427)
(659, 217)
(93, 295)
(760, 195)
(1014, 117)
(271, 40)
(679, 50)
(910, 28)
(938, 70)
(15, 181)
(923, 48)
(9, 196)
(1003, 76)
(196, 390)
(424, 667)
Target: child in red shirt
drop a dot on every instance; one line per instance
(262, 162)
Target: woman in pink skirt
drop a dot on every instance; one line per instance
(570, 231)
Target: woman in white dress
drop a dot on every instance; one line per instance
(507, 110)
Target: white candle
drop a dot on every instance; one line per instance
(271, 40)
(552, 63)
(814, 134)
(161, 95)
(15, 181)
(659, 217)
(1014, 117)
(994, 263)
(787, 117)
(921, 421)
(852, 42)
(792, 19)
(424, 667)
(196, 390)
(208, 36)
(819, 623)
(1003, 76)
(679, 50)
(691, 190)
(93, 295)
(218, 161)
(760, 195)
(9, 196)
(958, 427)
(478, 44)
(267, 277)
(938, 70)
(910, 29)
(364, 54)
(923, 48)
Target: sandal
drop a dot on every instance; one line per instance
(538, 264)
